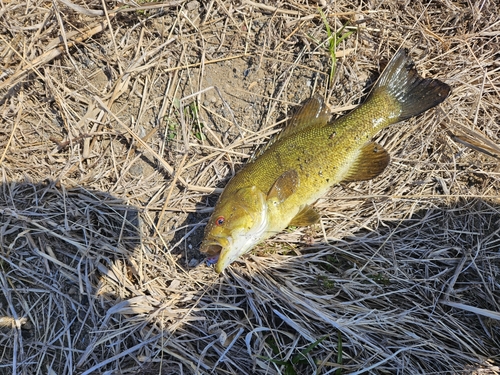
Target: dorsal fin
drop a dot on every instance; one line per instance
(313, 113)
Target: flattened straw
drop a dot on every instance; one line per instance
(476, 310)
(49, 55)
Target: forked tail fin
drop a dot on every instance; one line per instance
(414, 94)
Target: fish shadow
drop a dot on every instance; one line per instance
(377, 289)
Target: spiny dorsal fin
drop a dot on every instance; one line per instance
(306, 216)
(370, 162)
(313, 113)
(284, 186)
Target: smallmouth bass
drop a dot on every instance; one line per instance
(276, 188)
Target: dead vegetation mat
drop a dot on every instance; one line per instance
(120, 123)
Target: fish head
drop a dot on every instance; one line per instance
(239, 221)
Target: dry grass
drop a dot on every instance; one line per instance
(119, 122)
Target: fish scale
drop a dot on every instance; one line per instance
(325, 162)
(277, 187)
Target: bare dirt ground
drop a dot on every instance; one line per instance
(122, 121)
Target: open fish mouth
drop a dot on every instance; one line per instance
(212, 250)
(212, 260)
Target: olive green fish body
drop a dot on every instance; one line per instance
(276, 188)
(321, 157)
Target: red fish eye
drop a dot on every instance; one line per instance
(220, 220)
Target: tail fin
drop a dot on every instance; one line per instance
(414, 94)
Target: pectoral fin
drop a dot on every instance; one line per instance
(284, 186)
(371, 161)
(306, 216)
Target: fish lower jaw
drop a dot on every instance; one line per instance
(228, 256)
(240, 246)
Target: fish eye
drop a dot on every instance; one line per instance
(220, 220)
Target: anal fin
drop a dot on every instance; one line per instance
(306, 216)
(371, 161)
